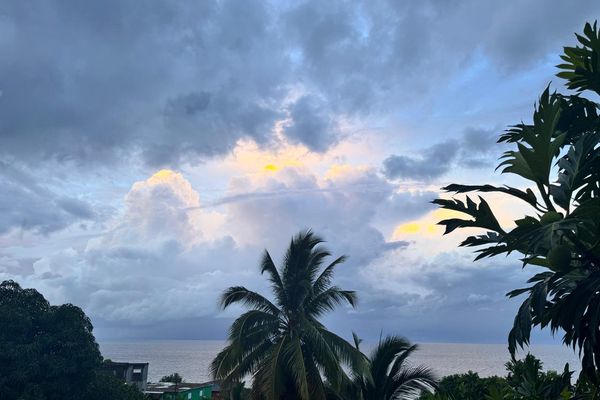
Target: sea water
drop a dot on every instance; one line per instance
(191, 358)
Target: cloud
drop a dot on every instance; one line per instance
(153, 264)
(174, 82)
(417, 293)
(433, 163)
(476, 148)
(480, 148)
(165, 257)
(94, 97)
(342, 205)
(98, 83)
(30, 206)
(311, 125)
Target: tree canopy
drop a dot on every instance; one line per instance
(281, 343)
(390, 375)
(558, 156)
(46, 351)
(173, 378)
(49, 352)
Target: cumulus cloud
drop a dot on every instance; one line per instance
(342, 207)
(165, 257)
(153, 264)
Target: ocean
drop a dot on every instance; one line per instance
(191, 358)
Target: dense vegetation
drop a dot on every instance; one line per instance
(105, 387)
(389, 375)
(526, 380)
(49, 352)
(558, 156)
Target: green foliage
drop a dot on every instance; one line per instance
(281, 343)
(528, 382)
(46, 352)
(559, 156)
(389, 375)
(582, 63)
(237, 391)
(109, 387)
(469, 386)
(525, 381)
(173, 378)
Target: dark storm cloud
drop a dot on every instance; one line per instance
(476, 148)
(310, 124)
(404, 206)
(88, 82)
(172, 81)
(480, 148)
(432, 163)
(30, 206)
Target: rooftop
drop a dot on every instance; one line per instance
(169, 387)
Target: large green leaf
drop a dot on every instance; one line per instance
(581, 67)
(483, 217)
(578, 169)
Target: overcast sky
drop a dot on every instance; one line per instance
(149, 151)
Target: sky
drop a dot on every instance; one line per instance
(150, 151)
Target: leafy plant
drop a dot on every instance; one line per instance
(529, 382)
(558, 155)
(109, 387)
(46, 352)
(281, 343)
(389, 375)
(468, 386)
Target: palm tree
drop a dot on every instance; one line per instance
(389, 377)
(281, 343)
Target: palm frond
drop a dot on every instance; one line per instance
(329, 299)
(296, 366)
(239, 294)
(253, 326)
(267, 265)
(322, 353)
(345, 351)
(409, 383)
(324, 279)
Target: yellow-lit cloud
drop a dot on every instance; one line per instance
(426, 226)
(248, 157)
(271, 167)
(341, 171)
(162, 176)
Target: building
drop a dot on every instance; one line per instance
(181, 391)
(132, 373)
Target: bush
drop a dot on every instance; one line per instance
(469, 386)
